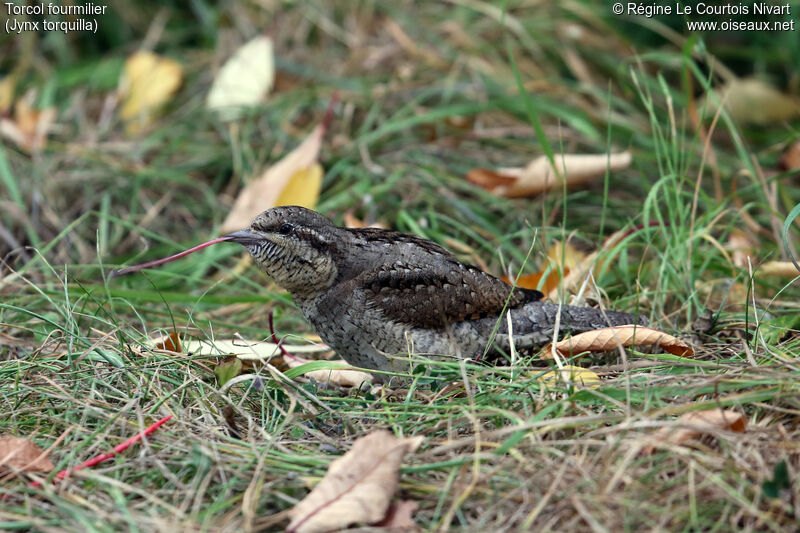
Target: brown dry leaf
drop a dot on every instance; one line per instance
(353, 222)
(358, 486)
(790, 160)
(531, 281)
(607, 339)
(400, 516)
(148, 82)
(343, 375)
(550, 271)
(752, 101)
(576, 274)
(29, 127)
(540, 176)
(703, 421)
(268, 189)
(741, 247)
(731, 294)
(19, 454)
(778, 269)
(171, 342)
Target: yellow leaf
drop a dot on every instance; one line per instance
(752, 101)
(7, 85)
(302, 188)
(148, 82)
(265, 191)
(244, 79)
(578, 376)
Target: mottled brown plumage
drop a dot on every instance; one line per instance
(373, 294)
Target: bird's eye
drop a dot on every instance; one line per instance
(285, 229)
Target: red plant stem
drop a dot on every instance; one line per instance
(128, 270)
(119, 448)
(276, 341)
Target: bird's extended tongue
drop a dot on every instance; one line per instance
(128, 270)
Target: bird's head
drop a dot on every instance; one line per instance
(292, 245)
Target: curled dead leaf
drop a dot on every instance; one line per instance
(561, 259)
(607, 339)
(778, 269)
(246, 350)
(171, 342)
(21, 455)
(540, 176)
(741, 246)
(752, 101)
(699, 422)
(29, 127)
(575, 273)
(790, 160)
(294, 180)
(342, 375)
(358, 486)
(399, 516)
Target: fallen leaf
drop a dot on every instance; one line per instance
(399, 516)
(575, 375)
(303, 188)
(171, 342)
(724, 291)
(19, 454)
(228, 369)
(267, 190)
(778, 269)
(540, 176)
(741, 247)
(560, 260)
(607, 339)
(244, 79)
(706, 421)
(148, 82)
(246, 350)
(790, 159)
(29, 127)
(358, 486)
(752, 101)
(341, 375)
(7, 86)
(591, 262)
(490, 179)
(353, 222)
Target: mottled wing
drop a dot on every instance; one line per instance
(439, 294)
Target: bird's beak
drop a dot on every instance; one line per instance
(245, 237)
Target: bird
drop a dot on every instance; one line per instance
(375, 296)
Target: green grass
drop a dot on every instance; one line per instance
(502, 452)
